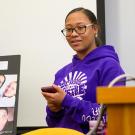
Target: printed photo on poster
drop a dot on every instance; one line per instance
(6, 120)
(8, 85)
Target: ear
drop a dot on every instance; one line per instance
(95, 30)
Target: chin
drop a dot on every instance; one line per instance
(79, 50)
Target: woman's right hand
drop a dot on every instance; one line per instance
(54, 100)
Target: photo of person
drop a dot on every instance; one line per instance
(8, 91)
(6, 120)
(3, 117)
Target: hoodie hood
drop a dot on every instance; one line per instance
(98, 53)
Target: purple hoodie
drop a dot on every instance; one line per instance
(79, 80)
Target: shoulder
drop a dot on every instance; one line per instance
(110, 69)
(110, 63)
(64, 69)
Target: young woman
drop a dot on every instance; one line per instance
(73, 105)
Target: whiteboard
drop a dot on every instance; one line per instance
(32, 29)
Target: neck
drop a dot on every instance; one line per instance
(81, 55)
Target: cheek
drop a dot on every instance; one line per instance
(68, 40)
(3, 121)
(89, 38)
(14, 91)
(86, 40)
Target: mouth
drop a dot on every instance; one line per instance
(75, 42)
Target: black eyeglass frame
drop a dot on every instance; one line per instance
(64, 31)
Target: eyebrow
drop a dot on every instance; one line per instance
(70, 25)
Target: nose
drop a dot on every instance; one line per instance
(74, 33)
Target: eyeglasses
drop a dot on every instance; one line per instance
(80, 29)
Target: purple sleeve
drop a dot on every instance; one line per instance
(80, 110)
(53, 118)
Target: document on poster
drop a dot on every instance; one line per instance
(3, 65)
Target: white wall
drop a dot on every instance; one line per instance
(120, 28)
(31, 28)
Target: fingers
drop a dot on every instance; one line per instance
(55, 86)
(49, 98)
(57, 97)
(48, 95)
(58, 89)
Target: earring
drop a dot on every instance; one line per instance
(96, 35)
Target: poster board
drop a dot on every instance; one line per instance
(9, 91)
